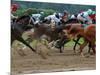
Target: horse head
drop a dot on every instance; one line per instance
(23, 19)
(23, 22)
(52, 25)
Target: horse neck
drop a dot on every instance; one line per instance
(23, 20)
(81, 31)
(19, 27)
(76, 30)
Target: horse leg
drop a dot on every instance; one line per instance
(93, 47)
(82, 47)
(62, 44)
(24, 42)
(61, 49)
(94, 51)
(89, 47)
(76, 42)
(50, 44)
(12, 39)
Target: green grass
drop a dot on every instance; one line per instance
(71, 43)
(33, 43)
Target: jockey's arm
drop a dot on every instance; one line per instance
(89, 20)
(13, 17)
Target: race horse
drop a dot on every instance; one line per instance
(49, 30)
(63, 39)
(68, 25)
(17, 29)
(88, 33)
(52, 32)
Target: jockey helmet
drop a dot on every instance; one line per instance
(89, 11)
(65, 12)
(14, 7)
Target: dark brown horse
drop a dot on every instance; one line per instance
(63, 40)
(88, 33)
(52, 32)
(17, 29)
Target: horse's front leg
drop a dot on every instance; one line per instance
(93, 45)
(50, 45)
(89, 47)
(76, 42)
(61, 49)
(82, 47)
(62, 44)
(93, 48)
(36, 43)
(19, 38)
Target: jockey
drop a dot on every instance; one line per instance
(14, 8)
(93, 17)
(65, 16)
(55, 17)
(73, 16)
(42, 16)
(36, 18)
(84, 17)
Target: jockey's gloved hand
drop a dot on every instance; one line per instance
(59, 23)
(85, 21)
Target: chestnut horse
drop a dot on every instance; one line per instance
(88, 33)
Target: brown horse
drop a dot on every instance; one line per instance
(52, 32)
(88, 33)
(17, 29)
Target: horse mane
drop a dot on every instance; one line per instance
(67, 27)
(74, 21)
(22, 17)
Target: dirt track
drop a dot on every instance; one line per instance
(66, 61)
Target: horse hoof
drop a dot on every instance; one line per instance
(87, 56)
(82, 55)
(61, 52)
(21, 53)
(91, 53)
(74, 52)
